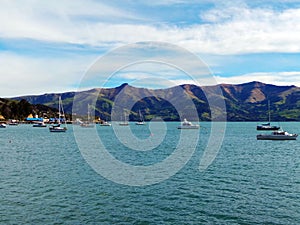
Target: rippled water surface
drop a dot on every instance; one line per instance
(45, 180)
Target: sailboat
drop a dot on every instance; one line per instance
(88, 124)
(141, 120)
(124, 123)
(267, 126)
(104, 123)
(61, 115)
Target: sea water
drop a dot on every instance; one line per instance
(44, 179)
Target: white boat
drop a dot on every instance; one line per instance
(57, 128)
(105, 124)
(141, 120)
(277, 135)
(78, 121)
(188, 125)
(3, 125)
(39, 124)
(13, 123)
(61, 115)
(124, 123)
(88, 123)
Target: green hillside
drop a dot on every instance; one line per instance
(244, 102)
(20, 109)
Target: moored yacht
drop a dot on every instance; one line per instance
(124, 123)
(188, 125)
(141, 119)
(57, 128)
(61, 115)
(105, 124)
(277, 135)
(39, 124)
(267, 126)
(88, 123)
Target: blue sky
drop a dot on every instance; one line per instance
(49, 47)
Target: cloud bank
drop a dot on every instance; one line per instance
(87, 29)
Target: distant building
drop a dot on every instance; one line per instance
(30, 118)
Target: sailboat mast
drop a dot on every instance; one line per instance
(61, 111)
(269, 111)
(88, 112)
(141, 117)
(59, 100)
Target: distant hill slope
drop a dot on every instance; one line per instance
(244, 102)
(19, 110)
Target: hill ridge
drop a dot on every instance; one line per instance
(244, 102)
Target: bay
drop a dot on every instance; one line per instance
(44, 179)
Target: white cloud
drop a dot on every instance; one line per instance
(227, 30)
(24, 75)
(66, 21)
(277, 78)
(244, 30)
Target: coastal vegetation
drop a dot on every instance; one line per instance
(20, 109)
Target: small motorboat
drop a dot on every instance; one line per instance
(87, 125)
(13, 123)
(3, 125)
(124, 123)
(105, 124)
(188, 125)
(277, 135)
(39, 124)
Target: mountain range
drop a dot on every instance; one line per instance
(244, 102)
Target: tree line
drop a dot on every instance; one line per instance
(19, 110)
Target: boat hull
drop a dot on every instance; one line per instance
(58, 130)
(188, 127)
(267, 128)
(39, 125)
(87, 125)
(105, 125)
(276, 137)
(13, 124)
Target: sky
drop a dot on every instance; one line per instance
(48, 47)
